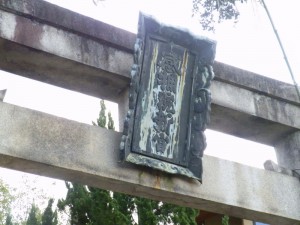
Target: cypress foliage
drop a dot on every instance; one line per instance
(94, 206)
(8, 220)
(49, 217)
(33, 215)
(6, 199)
(110, 124)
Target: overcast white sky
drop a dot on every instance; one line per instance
(250, 45)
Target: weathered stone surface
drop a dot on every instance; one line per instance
(273, 105)
(252, 115)
(255, 82)
(61, 43)
(65, 19)
(33, 142)
(272, 166)
(47, 145)
(288, 151)
(39, 43)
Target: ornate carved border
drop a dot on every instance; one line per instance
(198, 112)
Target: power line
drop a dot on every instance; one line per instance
(282, 49)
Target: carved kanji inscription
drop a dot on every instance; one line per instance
(169, 100)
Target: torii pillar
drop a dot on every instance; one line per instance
(288, 152)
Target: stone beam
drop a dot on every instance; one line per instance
(252, 115)
(54, 45)
(255, 107)
(61, 18)
(43, 144)
(61, 57)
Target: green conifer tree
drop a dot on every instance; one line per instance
(110, 124)
(94, 206)
(49, 217)
(8, 220)
(6, 199)
(101, 121)
(33, 216)
(77, 200)
(225, 220)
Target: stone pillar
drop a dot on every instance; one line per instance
(247, 222)
(123, 107)
(288, 151)
(2, 95)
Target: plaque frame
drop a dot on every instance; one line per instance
(169, 99)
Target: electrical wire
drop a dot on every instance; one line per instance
(282, 49)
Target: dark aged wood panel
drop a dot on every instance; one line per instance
(169, 99)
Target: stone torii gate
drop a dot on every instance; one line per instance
(54, 45)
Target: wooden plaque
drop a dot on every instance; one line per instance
(169, 101)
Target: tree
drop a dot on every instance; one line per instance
(89, 205)
(18, 199)
(34, 215)
(111, 124)
(8, 220)
(77, 201)
(49, 217)
(179, 215)
(101, 121)
(211, 11)
(225, 220)
(5, 201)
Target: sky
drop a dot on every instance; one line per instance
(250, 44)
